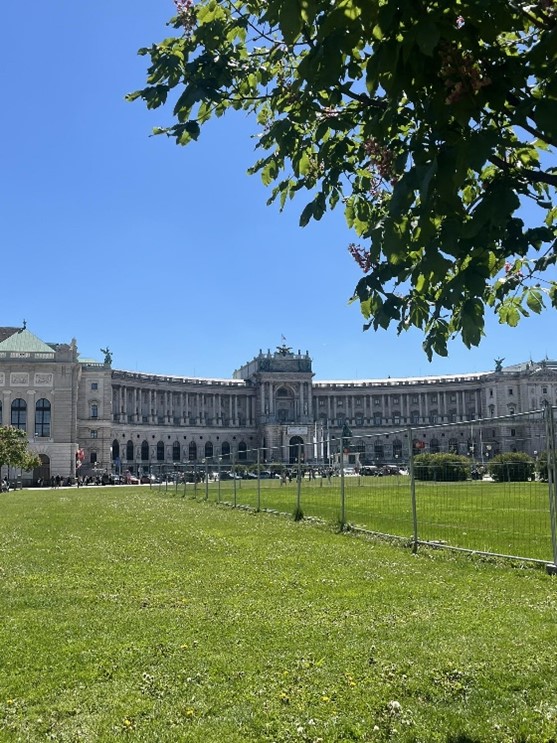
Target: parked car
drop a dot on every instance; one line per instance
(132, 480)
(147, 479)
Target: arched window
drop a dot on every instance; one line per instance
(192, 451)
(209, 450)
(93, 457)
(434, 446)
(176, 452)
(129, 451)
(42, 417)
(94, 410)
(144, 451)
(160, 451)
(115, 450)
(242, 451)
(19, 413)
(225, 450)
(397, 449)
(378, 451)
(453, 446)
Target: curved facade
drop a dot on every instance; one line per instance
(114, 419)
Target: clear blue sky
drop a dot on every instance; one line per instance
(169, 255)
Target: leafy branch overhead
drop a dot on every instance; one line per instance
(432, 125)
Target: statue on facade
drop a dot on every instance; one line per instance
(107, 355)
(283, 350)
(499, 365)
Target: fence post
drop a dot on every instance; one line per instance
(342, 493)
(206, 480)
(298, 514)
(258, 480)
(413, 492)
(551, 483)
(234, 477)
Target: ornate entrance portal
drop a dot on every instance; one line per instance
(296, 445)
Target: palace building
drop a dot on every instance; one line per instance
(83, 413)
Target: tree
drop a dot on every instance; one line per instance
(433, 125)
(14, 451)
(514, 466)
(441, 467)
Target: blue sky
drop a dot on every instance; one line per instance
(170, 255)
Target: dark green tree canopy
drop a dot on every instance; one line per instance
(14, 449)
(433, 125)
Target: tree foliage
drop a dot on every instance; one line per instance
(512, 467)
(442, 467)
(433, 125)
(14, 449)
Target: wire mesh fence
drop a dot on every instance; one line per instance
(491, 491)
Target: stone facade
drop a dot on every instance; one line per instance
(119, 420)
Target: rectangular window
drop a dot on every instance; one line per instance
(93, 434)
(94, 386)
(510, 391)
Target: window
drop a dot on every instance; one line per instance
(19, 413)
(434, 446)
(209, 450)
(376, 401)
(144, 451)
(321, 402)
(359, 420)
(513, 431)
(94, 433)
(433, 416)
(176, 452)
(510, 391)
(160, 451)
(42, 418)
(129, 451)
(242, 451)
(377, 418)
(94, 410)
(94, 386)
(225, 450)
(93, 457)
(396, 417)
(415, 417)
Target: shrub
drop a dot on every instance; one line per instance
(441, 467)
(514, 466)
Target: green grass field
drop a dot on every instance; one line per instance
(503, 518)
(129, 613)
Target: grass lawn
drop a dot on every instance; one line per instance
(130, 613)
(504, 518)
